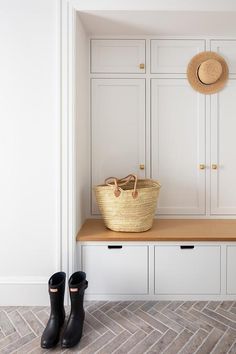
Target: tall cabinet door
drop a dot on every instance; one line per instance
(118, 129)
(223, 150)
(178, 146)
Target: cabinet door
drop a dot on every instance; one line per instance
(118, 129)
(117, 56)
(187, 269)
(116, 269)
(178, 146)
(173, 56)
(223, 150)
(228, 50)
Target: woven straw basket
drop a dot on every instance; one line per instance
(128, 204)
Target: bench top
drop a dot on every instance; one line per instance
(164, 230)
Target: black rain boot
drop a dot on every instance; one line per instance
(56, 289)
(74, 327)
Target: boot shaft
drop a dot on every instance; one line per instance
(77, 303)
(56, 289)
(77, 286)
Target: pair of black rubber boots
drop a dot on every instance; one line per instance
(74, 327)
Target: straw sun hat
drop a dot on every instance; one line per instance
(207, 72)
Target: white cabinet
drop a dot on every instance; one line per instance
(172, 140)
(159, 270)
(187, 269)
(231, 270)
(117, 56)
(116, 269)
(223, 147)
(226, 48)
(178, 146)
(118, 129)
(173, 56)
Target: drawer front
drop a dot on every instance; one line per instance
(187, 269)
(228, 50)
(231, 270)
(116, 269)
(117, 56)
(173, 56)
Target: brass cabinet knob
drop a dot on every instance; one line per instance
(142, 167)
(214, 166)
(202, 166)
(141, 66)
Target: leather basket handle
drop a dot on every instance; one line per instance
(118, 183)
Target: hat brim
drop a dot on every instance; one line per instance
(192, 73)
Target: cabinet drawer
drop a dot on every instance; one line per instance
(231, 270)
(117, 56)
(187, 269)
(116, 269)
(228, 50)
(173, 56)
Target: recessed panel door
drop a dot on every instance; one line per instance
(118, 129)
(223, 151)
(178, 146)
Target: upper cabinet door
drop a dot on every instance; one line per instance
(118, 129)
(173, 56)
(178, 146)
(228, 50)
(117, 56)
(223, 151)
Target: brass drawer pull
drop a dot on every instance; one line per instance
(202, 166)
(141, 166)
(141, 66)
(214, 166)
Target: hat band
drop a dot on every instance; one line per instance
(201, 80)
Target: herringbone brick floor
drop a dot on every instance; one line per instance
(130, 327)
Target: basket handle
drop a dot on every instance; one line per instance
(117, 183)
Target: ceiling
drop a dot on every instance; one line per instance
(155, 5)
(170, 23)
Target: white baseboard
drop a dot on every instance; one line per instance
(149, 297)
(24, 291)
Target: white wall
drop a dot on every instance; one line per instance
(82, 130)
(28, 150)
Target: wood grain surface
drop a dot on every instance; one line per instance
(164, 230)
